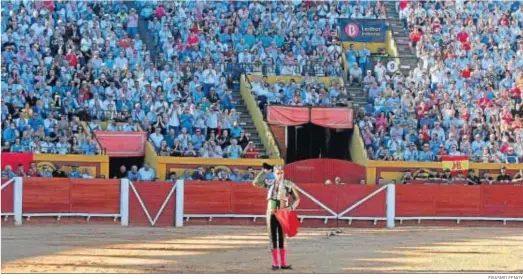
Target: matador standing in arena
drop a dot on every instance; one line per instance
(279, 191)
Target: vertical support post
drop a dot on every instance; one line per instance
(124, 201)
(17, 198)
(178, 222)
(391, 205)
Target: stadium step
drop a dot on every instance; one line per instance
(246, 122)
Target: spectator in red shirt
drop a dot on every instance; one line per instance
(193, 40)
(415, 37)
(71, 58)
(160, 11)
(250, 151)
(515, 94)
(466, 73)
(484, 101)
(463, 36)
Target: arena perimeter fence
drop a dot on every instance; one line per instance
(186, 202)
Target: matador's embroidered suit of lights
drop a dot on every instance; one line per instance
(279, 191)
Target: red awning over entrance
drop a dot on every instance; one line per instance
(335, 118)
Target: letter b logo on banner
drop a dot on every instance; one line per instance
(352, 30)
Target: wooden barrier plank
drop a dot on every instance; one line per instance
(7, 197)
(326, 194)
(95, 196)
(501, 201)
(44, 195)
(414, 200)
(153, 195)
(455, 200)
(208, 197)
(246, 199)
(348, 195)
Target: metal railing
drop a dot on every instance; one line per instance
(313, 68)
(102, 149)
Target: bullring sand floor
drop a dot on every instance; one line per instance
(218, 249)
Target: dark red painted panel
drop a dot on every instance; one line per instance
(95, 196)
(502, 201)
(45, 195)
(153, 195)
(246, 199)
(208, 197)
(348, 195)
(455, 200)
(413, 200)
(7, 197)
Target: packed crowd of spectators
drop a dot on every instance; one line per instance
(47, 171)
(59, 67)
(272, 38)
(146, 173)
(469, 177)
(464, 95)
(308, 92)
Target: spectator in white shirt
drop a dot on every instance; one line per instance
(87, 174)
(146, 173)
(157, 137)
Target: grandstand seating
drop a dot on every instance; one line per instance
(464, 95)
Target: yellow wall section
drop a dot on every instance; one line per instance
(357, 147)
(263, 130)
(389, 175)
(78, 159)
(151, 158)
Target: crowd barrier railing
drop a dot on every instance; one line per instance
(173, 203)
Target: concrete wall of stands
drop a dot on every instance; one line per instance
(41, 195)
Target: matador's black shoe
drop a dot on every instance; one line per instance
(286, 267)
(275, 267)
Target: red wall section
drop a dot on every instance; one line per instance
(453, 200)
(328, 195)
(213, 197)
(153, 195)
(319, 170)
(412, 200)
(91, 196)
(350, 194)
(459, 200)
(44, 195)
(502, 201)
(62, 195)
(243, 197)
(7, 197)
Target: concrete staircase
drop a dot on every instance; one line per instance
(408, 60)
(246, 121)
(356, 95)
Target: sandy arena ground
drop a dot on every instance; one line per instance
(217, 249)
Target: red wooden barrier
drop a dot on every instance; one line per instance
(502, 201)
(7, 197)
(62, 195)
(91, 196)
(44, 195)
(213, 197)
(153, 195)
(350, 194)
